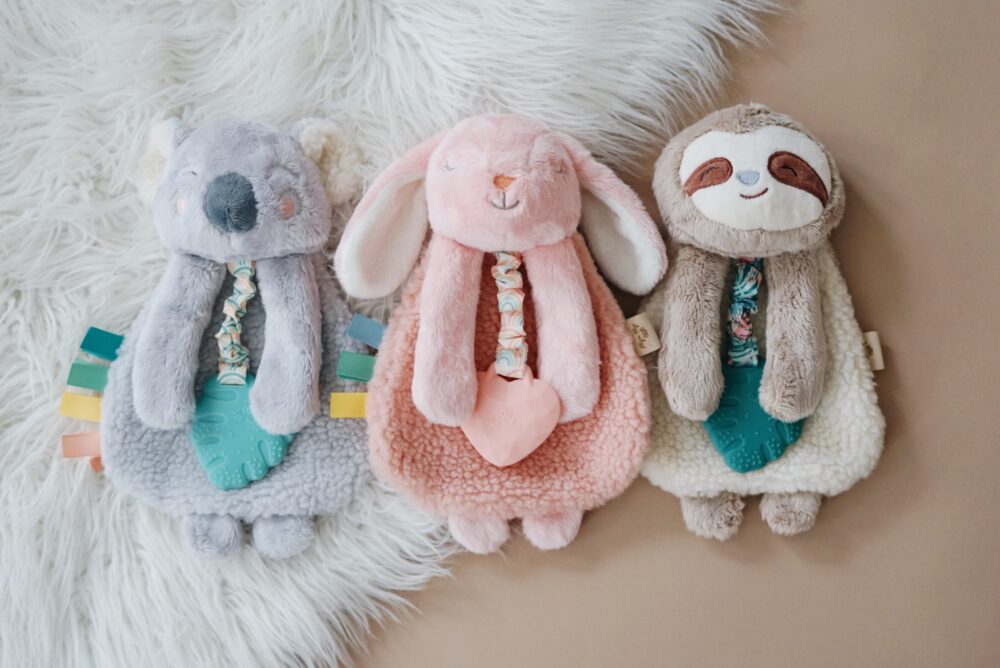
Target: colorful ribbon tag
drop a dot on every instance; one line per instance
(511, 418)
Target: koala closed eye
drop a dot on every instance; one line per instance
(447, 167)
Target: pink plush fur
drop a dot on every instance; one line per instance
(582, 464)
(503, 183)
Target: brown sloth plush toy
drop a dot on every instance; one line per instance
(784, 404)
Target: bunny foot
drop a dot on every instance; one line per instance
(790, 514)
(717, 517)
(213, 535)
(283, 536)
(552, 531)
(480, 535)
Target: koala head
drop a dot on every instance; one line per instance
(746, 181)
(238, 190)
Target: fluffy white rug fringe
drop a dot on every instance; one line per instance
(86, 576)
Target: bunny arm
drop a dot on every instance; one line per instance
(792, 382)
(569, 357)
(690, 362)
(166, 354)
(444, 369)
(285, 395)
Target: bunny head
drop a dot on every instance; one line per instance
(746, 181)
(239, 190)
(497, 183)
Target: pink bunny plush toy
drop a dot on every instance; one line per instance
(506, 286)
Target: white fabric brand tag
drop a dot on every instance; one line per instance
(874, 351)
(643, 335)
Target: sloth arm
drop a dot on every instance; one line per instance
(285, 395)
(690, 363)
(166, 353)
(795, 361)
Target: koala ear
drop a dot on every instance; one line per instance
(339, 161)
(164, 137)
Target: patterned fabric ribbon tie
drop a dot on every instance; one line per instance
(512, 344)
(234, 357)
(742, 343)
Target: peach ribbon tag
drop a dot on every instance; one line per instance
(512, 417)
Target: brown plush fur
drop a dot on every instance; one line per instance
(796, 350)
(687, 225)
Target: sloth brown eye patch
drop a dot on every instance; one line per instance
(793, 171)
(709, 173)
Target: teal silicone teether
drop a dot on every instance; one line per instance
(740, 429)
(233, 449)
(744, 434)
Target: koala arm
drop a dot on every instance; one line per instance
(792, 382)
(444, 368)
(569, 357)
(690, 363)
(285, 395)
(166, 354)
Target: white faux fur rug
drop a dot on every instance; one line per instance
(87, 577)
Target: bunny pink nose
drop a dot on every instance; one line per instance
(503, 181)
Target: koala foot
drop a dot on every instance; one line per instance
(717, 517)
(283, 536)
(480, 535)
(552, 531)
(213, 535)
(790, 514)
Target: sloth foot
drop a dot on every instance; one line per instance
(790, 514)
(717, 517)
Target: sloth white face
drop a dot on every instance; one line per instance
(773, 178)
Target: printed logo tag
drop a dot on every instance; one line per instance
(643, 335)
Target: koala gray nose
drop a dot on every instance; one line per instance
(748, 177)
(230, 203)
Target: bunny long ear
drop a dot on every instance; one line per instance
(339, 160)
(623, 238)
(383, 238)
(164, 136)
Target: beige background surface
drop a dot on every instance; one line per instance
(903, 570)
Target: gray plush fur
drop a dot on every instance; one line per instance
(795, 363)
(213, 536)
(295, 329)
(247, 161)
(325, 464)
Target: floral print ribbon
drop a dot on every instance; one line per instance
(234, 357)
(746, 285)
(512, 345)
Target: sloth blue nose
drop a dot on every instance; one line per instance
(748, 177)
(230, 203)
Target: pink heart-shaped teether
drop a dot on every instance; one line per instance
(512, 417)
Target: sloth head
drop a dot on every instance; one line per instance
(746, 181)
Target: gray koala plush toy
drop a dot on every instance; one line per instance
(247, 195)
